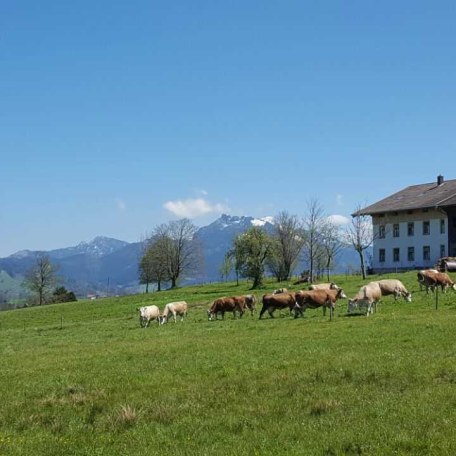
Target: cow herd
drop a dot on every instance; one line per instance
(323, 295)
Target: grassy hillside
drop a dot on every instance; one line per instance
(84, 379)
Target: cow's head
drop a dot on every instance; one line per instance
(162, 319)
(352, 305)
(341, 294)
(209, 314)
(333, 286)
(408, 297)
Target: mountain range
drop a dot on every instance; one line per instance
(110, 266)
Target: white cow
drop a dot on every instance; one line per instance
(323, 286)
(368, 296)
(175, 308)
(148, 313)
(395, 287)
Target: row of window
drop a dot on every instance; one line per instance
(410, 253)
(410, 229)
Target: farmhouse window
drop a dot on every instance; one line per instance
(442, 250)
(396, 230)
(411, 254)
(426, 253)
(426, 228)
(411, 229)
(442, 226)
(381, 255)
(381, 231)
(396, 256)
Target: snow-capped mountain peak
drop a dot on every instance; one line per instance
(263, 221)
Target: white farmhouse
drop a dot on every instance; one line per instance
(414, 227)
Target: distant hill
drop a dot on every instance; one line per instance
(110, 266)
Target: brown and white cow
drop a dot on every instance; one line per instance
(431, 279)
(280, 290)
(368, 296)
(313, 299)
(271, 302)
(226, 304)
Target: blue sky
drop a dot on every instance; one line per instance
(117, 116)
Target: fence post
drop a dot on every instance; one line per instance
(436, 298)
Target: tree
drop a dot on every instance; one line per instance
(288, 240)
(331, 241)
(226, 267)
(252, 249)
(360, 235)
(180, 251)
(41, 277)
(153, 263)
(61, 294)
(313, 224)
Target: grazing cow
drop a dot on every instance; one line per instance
(313, 299)
(432, 280)
(323, 286)
(271, 302)
(250, 302)
(147, 314)
(174, 308)
(395, 287)
(368, 296)
(421, 279)
(280, 290)
(226, 304)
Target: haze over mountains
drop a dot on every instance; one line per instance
(106, 265)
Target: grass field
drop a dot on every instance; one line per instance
(84, 379)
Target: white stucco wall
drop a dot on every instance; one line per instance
(434, 240)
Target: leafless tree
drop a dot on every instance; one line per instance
(360, 235)
(287, 243)
(313, 223)
(41, 277)
(332, 243)
(179, 249)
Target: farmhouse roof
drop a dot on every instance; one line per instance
(436, 194)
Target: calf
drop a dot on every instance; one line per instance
(280, 290)
(174, 308)
(368, 296)
(271, 302)
(147, 314)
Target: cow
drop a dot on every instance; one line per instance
(174, 308)
(313, 299)
(368, 296)
(395, 287)
(271, 302)
(421, 279)
(280, 290)
(431, 280)
(147, 314)
(250, 303)
(323, 286)
(226, 304)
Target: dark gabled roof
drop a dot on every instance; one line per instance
(423, 196)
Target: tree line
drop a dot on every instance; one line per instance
(173, 250)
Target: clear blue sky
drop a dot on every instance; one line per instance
(117, 116)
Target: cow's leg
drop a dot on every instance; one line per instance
(270, 312)
(263, 310)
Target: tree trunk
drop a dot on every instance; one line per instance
(147, 287)
(361, 259)
(159, 285)
(173, 282)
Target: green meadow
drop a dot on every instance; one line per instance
(84, 379)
